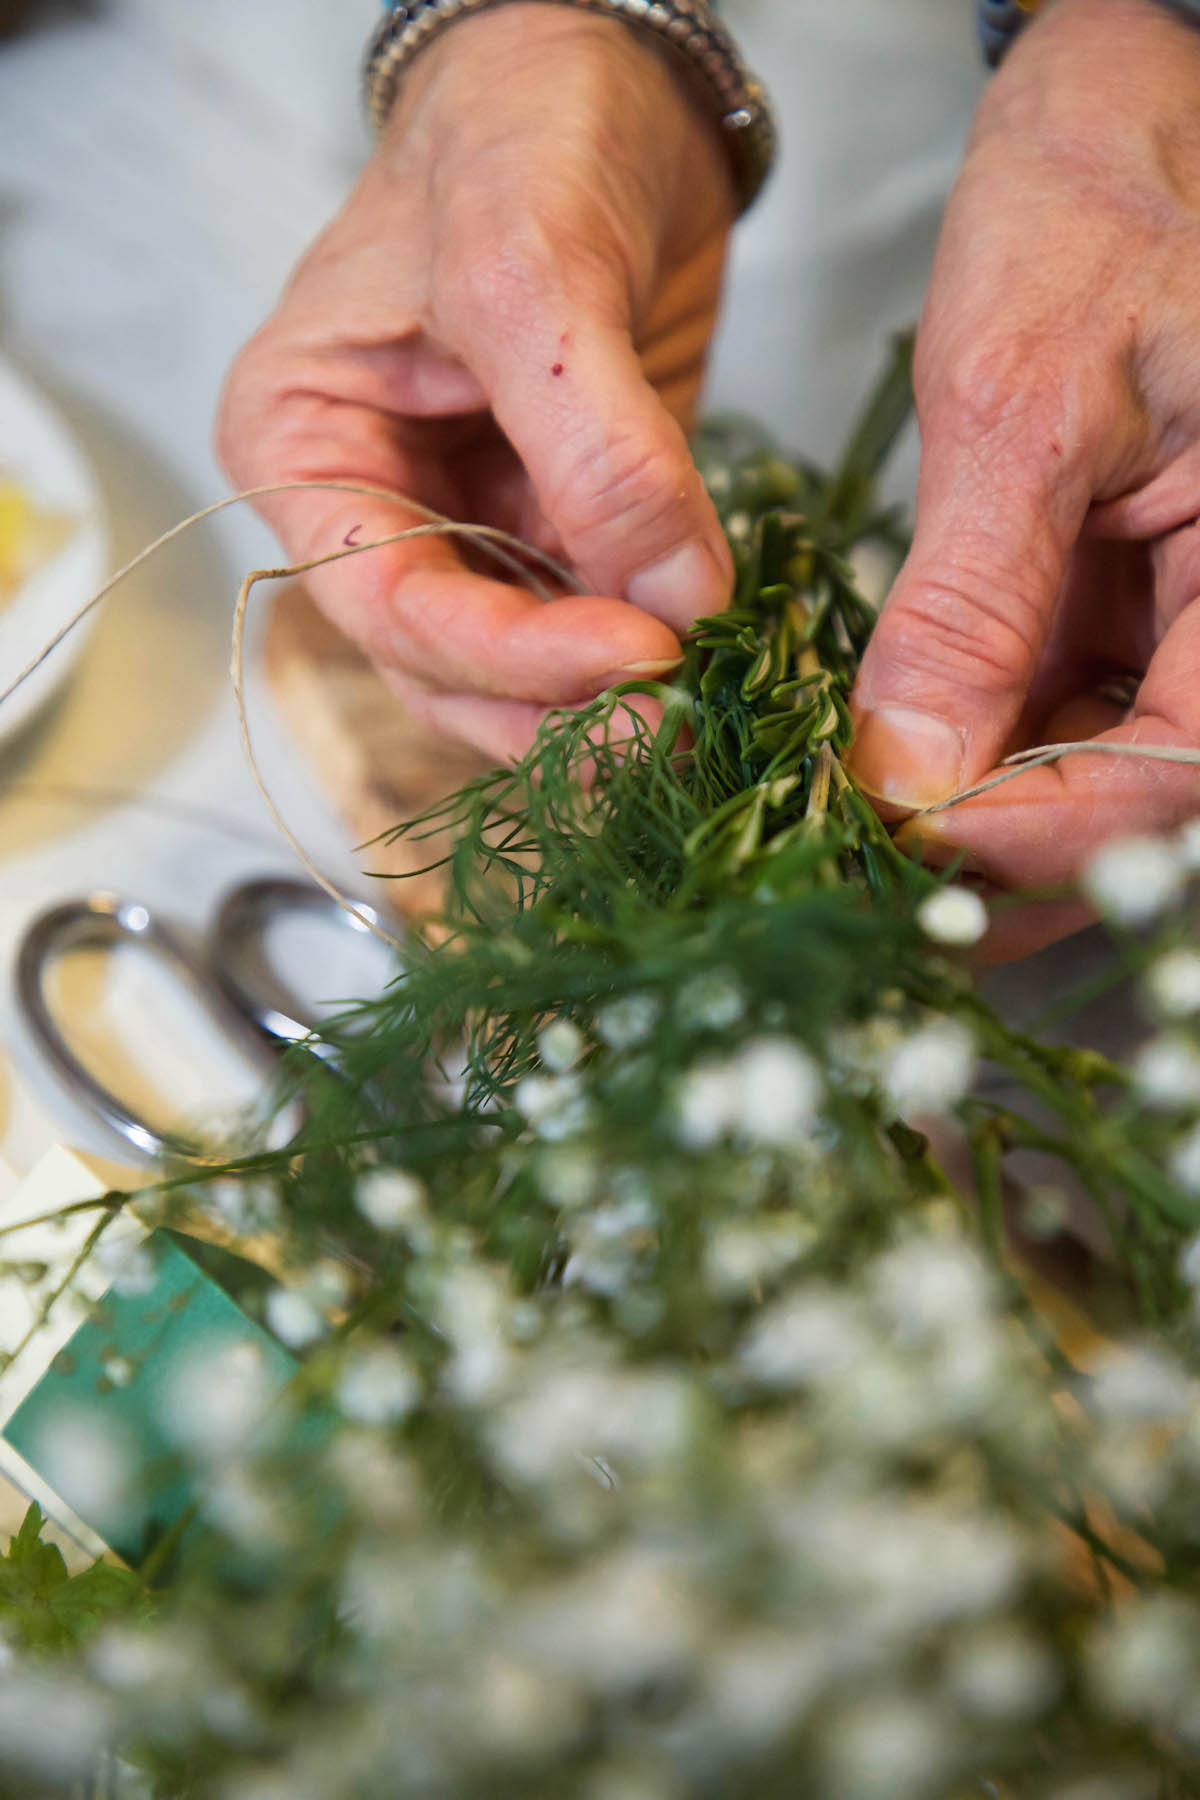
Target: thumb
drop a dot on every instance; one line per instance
(609, 465)
(951, 660)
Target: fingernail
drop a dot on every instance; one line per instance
(652, 669)
(638, 671)
(907, 758)
(681, 586)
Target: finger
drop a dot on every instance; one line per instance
(1100, 645)
(609, 463)
(1019, 931)
(948, 669)
(1039, 829)
(415, 607)
(505, 731)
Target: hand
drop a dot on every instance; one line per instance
(507, 322)
(1058, 516)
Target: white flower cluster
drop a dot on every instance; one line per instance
(768, 1093)
(1133, 880)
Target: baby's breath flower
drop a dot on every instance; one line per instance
(743, 1254)
(242, 1507)
(53, 1725)
(931, 1070)
(473, 1309)
(1189, 1262)
(560, 1045)
(553, 1104)
(1173, 983)
(607, 1244)
(907, 1565)
(780, 1091)
(630, 1618)
(886, 1747)
(1139, 1383)
(211, 1400)
(625, 1023)
(378, 1482)
(1132, 880)
(759, 1685)
(1000, 1671)
(856, 1053)
(707, 1104)
(1045, 1211)
(1166, 1072)
(953, 915)
(328, 1285)
(93, 1464)
(293, 1318)
(519, 1711)
(813, 1335)
(131, 1268)
(126, 1659)
(1128, 1461)
(1187, 845)
(377, 1386)
(713, 1001)
(768, 1094)
(567, 1176)
(928, 1288)
(245, 1207)
(644, 1419)
(391, 1199)
(1146, 1663)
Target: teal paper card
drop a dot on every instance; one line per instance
(103, 1424)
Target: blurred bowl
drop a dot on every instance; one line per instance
(38, 450)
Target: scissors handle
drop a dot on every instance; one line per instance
(99, 922)
(239, 964)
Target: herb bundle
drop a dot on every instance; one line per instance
(681, 1422)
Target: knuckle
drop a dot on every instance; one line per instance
(1015, 406)
(625, 483)
(497, 282)
(999, 397)
(496, 274)
(966, 634)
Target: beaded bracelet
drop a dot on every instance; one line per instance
(689, 27)
(1001, 20)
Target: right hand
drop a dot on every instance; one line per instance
(508, 322)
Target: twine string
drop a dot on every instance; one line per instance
(1041, 754)
(510, 552)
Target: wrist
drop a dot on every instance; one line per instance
(1091, 75)
(683, 36)
(505, 53)
(525, 72)
(1001, 22)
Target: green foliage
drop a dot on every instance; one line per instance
(43, 1608)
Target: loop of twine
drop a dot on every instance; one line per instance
(509, 551)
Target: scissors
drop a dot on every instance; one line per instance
(230, 976)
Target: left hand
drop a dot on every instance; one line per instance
(1057, 541)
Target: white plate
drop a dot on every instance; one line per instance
(37, 448)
